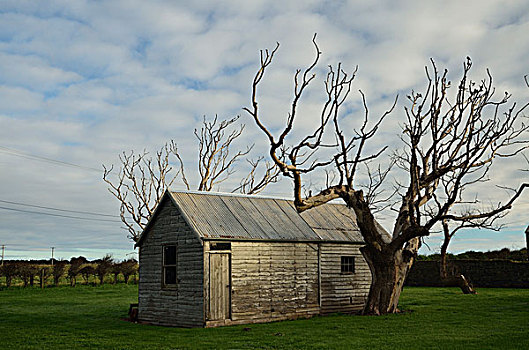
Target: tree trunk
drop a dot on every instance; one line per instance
(465, 286)
(389, 262)
(389, 272)
(443, 270)
(454, 279)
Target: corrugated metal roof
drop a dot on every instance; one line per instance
(216, 216)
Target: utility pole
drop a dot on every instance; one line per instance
(52, 249)
(527, 241)
(3, 249)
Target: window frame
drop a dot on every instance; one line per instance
(347, 265)
(166, 266)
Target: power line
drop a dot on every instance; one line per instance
(26, 155)
(57, 209)
(58, 215)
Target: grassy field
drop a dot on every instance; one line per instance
(439, 318)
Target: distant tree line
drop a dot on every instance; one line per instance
(47, 272)
(502, 254)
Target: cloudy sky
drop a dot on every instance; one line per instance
(81, 81)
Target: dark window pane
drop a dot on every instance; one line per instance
(220, 246)
(170, 275)
(347, 264)
(169, 255)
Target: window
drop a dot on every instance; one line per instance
(169, 265)
(348, 264)
(220, 246)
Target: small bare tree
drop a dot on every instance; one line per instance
(215, 164)
(450, 228)
(142, 180)
(448, 145)
(252, 183)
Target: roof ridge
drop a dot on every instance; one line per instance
(230, 194)
(241, 195)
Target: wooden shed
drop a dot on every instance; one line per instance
(217, 259)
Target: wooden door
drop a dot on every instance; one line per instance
(219, 286)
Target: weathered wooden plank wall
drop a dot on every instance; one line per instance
(183, 305)
(343, 292)
(272, 281)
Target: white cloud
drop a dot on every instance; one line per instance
(33, 73)
(81, 81)
(19, 101)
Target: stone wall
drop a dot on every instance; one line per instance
(481, 273)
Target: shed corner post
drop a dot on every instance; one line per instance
(319, 275)
(205, 252)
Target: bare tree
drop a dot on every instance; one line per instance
(141, 180)
(449, 229)
(449, 273)
(452, 277)
(215, 164)
(252, 183)
(449, 145)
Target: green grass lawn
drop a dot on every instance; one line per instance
(90, 317)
